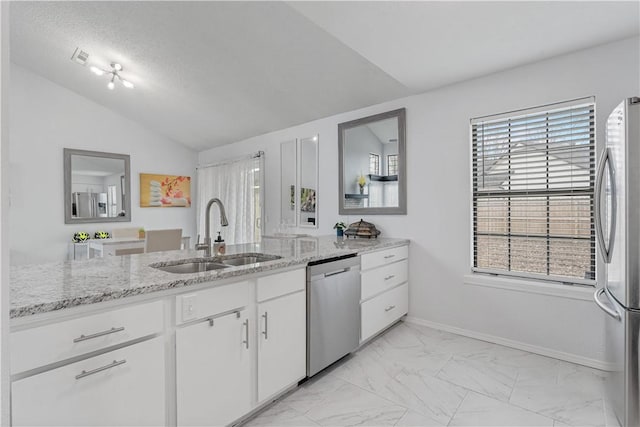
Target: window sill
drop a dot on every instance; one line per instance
(579, 292)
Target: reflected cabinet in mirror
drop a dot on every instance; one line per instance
(372, 165)
(96, 187)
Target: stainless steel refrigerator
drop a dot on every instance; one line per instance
(617, 207)
(89, 205)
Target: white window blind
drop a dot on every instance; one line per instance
(533, 193)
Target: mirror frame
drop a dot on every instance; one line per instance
(68, 218)
(401, 209)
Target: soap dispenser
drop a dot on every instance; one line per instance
(219, 246)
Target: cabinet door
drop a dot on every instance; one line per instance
(282, 343)
(124, 387)
(213, 371)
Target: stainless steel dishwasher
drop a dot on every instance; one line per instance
(333, 311)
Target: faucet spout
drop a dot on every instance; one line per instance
(207, 224)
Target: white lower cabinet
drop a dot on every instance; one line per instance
(213, 371)
(125, 387)
(281, 343)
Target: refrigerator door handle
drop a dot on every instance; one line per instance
(610, 311)
(605, 250)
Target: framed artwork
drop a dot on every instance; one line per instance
(308, 200)
(164, 191)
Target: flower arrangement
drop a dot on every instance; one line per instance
(362, 181)
(340, 227)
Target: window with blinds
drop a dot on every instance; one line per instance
(533, 193)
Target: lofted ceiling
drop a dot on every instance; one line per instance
(212, 73)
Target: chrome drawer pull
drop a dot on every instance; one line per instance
(98, 334)
(390, 277)
(266, 332)
(389, 256)
(391, 307)
(246, 333)
(102, 368)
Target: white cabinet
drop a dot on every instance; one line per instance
(213, 370)
(124, 387)
(281, 343)
(384, 289)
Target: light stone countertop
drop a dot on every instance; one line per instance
(42, 288)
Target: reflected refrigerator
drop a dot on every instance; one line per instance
(89, 205)
(617, 208)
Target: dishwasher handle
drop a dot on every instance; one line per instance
(333, 273)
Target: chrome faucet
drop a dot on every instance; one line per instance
(206, 245)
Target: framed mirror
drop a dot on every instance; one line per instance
(97, 187)
(372, 161)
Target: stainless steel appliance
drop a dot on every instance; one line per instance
(618, 231)
(333, 311)
(89, 205)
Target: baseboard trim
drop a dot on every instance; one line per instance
(544, 351)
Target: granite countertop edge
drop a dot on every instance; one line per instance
(103, 295)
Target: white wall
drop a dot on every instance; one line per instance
(438, 158)
(45, 118)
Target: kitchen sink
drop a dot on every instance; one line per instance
(199, 265)
(192, 267)
(244, 259)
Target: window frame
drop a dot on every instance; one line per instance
(535, 277)
(389, 156)
(377, 162)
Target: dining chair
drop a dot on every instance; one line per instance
(163, 240)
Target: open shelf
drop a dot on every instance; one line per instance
(383, 178)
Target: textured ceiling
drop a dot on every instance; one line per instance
(211, 73)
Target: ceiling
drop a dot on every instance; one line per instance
(212, 73)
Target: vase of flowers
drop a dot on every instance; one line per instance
(340, 227)
(361, 183)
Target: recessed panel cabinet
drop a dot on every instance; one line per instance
(281, 343)
(124, 387)
(213, 370)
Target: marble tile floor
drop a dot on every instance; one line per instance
(416, 376)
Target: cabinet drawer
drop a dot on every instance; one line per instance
(376, 259)
(383, 310)
(281, 284)
(383, 278)
(128, 391)
(209, 302)
(62, 340)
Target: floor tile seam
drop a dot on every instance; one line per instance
(542, 413)
(401, 417)
(375, 394)
(459, 405)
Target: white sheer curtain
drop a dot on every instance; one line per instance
(238, 184)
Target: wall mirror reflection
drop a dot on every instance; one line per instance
(299, 183)
(372, 164)
(96, 187)
(308, 166)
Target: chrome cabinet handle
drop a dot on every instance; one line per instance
(391, 307)
(266, 325)
(246, 333)
(389, 256)
(390, 277)
(100, 369)
(98, 334)
(611, 312)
